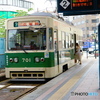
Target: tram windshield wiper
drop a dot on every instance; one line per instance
(23, 49)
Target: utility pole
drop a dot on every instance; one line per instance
(95, 45)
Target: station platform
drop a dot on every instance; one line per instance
(80, 82)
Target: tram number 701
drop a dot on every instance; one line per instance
(26, 59)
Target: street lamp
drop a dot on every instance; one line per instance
(94, 37)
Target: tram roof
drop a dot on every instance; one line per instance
(42, 14)
(53, 15)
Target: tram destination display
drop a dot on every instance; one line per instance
(78, 7)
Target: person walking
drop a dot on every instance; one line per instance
(78, 54)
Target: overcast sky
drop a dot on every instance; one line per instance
(44, 4)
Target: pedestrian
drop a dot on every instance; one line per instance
(78, 54)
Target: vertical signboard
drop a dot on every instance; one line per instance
(78, 7)
(99, 51)
(98, 4)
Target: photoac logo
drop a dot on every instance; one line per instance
(84, 94)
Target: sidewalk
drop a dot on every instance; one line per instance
(88, 88)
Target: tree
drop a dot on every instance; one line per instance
(2, 20)
(2, 26)
(22, 13)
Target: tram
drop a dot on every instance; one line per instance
(39, 46)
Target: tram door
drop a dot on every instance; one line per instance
(56, 47)
(75, 42)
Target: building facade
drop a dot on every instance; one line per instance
(88, 23)
(9, 7)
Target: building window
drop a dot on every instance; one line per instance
(94, 28)
(21, 3)
(4, 1)
(1, 1)
(95, 20)
(15, 3)
(74, 24)
(87, 28)
(87, 35)
(27, 5)
(10, 2)
(83, 29)
(83, 22)
(31, 5)
(79, 23)
(18, 3)
(87, 21)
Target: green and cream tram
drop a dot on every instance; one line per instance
(39, 46)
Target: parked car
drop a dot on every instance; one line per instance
(93, 49)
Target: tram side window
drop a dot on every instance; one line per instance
(67, 41)
(50, 38)
(71, 41)
(63, 40)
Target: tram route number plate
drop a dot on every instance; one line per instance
(65, 3)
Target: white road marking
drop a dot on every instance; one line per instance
(2, 86)
(21, 86)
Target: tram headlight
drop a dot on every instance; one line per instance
(42, 59)
(37, 59)
(16, 60)
(11, 59)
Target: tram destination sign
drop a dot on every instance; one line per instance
(78, 7)
(27, 23)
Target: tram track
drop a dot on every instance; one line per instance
(29, 91)
(16, 90)
(5, 86)
(2, 77)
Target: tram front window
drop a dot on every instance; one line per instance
(25, 39)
